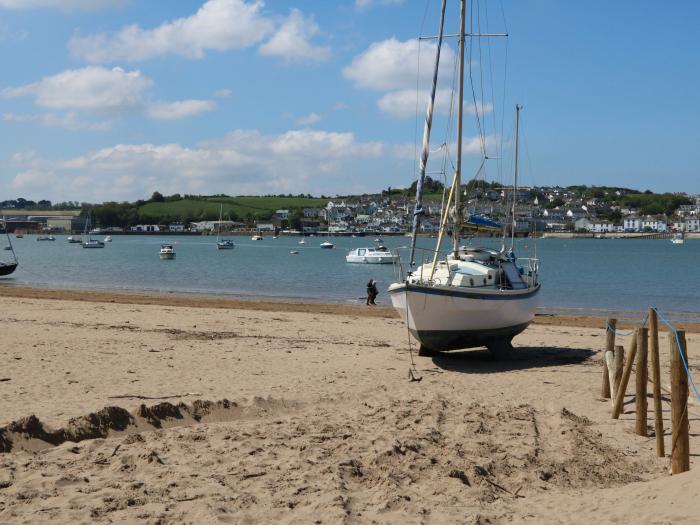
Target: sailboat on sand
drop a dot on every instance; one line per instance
(474, 296)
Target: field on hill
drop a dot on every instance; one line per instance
(234, 207)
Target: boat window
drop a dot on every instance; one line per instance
(361, 251)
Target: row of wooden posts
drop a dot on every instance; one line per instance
(616, 375)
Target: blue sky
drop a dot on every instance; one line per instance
(114, 99)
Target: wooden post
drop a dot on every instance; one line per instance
(620, 394)
(640, 399)
(619, 365)
(656, 376)
(610, 365)
(680, 449)
(609, 347)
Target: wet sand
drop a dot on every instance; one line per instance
(233, 411)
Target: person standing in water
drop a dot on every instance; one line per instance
(371, 292)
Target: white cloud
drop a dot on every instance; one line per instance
(89, 88)
(364, 4)
(68, 121)
(218, 25)
(242, 162)
(392, 64)
(179, 109)
(291, 41)
(403, 103)
(60, 4)
(223, 93)
(33, 179)
(338, 106)
(100, 91)
(307, 120)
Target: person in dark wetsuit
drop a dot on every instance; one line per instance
(371, 292)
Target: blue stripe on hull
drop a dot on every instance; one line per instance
(508, 295)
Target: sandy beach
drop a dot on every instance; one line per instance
(159, 409)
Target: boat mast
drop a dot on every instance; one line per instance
(218, 231)
(515, 177)
(418, 210)
(460, 111)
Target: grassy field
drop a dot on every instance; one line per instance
(240, 207)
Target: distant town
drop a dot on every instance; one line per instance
(573, 209)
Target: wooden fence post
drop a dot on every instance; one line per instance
(680, 448)
(656, 376)
(619, 365)
(620, 394)
(640, 399)
(609, 347)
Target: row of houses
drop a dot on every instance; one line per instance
(638, 225)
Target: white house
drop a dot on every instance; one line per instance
(145, 228)
(282, 214)
(603, 227)
(656, 225)
(692, 225)
(177, 227)
(632, 224)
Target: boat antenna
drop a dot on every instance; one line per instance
(418, 210)
(460, 118)
(515, 177)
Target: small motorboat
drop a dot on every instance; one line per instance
(302, 241)
(93, 243)
(677, 238)
(327, 245)
(45, 238)
(256, 238)
(73, 240)
(294, 252)
(378, 255)
(225, 244)
(19, 235)
(108, 238)
(167, 251)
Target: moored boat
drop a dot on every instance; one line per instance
(88, 241)
(377, 255)
(677, 238)
(167, 251)
(222, 244)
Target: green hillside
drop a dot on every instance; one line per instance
(235, 208)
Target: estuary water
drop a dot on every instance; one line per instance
(577, 275)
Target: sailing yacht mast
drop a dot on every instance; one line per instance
(460, 111)
(515, 176)
(418, 210)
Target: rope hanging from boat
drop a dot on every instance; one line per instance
(418, 210)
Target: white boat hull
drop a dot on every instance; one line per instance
(371, 259)
(447, 318)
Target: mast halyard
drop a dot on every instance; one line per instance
(456, 230)
(515, 176)
(418, 210)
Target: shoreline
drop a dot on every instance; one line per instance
(554, 316)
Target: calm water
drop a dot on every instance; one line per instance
(585, 274)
